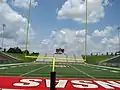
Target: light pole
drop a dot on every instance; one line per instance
(28, 26)
(86, 29)
(2, 34)
(118, 39)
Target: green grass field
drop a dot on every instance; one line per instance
(96, 59)
(90, 59)
(63, 71)
(22, 57)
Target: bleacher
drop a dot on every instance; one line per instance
(60, 58)
(6, 59)
(114, 62)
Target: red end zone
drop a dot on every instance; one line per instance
(19, 83)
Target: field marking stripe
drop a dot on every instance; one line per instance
(40, 74)
(18, 64)
(15, 64)
(105, 67)
(33, 70)
(83, 72)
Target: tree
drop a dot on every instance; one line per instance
(115, 53)
(14, 50)
(112, 54)
(107, 53)
(18, 50)
(11, 50)
(96, 54)
(91, 54)
(102, 54)
(26, 52)
(118, 53)
(4, 49)
(34, 53)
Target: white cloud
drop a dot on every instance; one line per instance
(25, 3)
(76, 10)
(15, 29)
(73, 42)
(104, 33)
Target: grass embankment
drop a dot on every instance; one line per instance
(96, 59)
(22, 57)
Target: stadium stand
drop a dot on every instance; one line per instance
(6, 59)
(113, 62)
(64, 57)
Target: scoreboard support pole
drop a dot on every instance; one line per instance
(52, 80)
(53, 76)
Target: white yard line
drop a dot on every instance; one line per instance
(15, 64)
(18, 64)
(105, 67)
(10, 73)
(33, 70)
(83, 72)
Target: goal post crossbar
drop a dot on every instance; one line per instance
(44, 57)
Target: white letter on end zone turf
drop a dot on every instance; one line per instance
(108, 84)
(83, 84)
(28, 82)
(60, 83)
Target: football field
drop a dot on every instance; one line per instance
(62, 71)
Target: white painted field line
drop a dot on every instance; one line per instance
(15, 64)
(18, 64)
(105, 67)
(33, 70)
(83, 72)
(10, 73)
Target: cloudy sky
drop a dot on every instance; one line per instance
(61, 23)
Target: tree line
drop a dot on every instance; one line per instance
(16, 50)
(107, 54)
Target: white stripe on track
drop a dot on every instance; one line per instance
(33, 70)
(83, 72)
